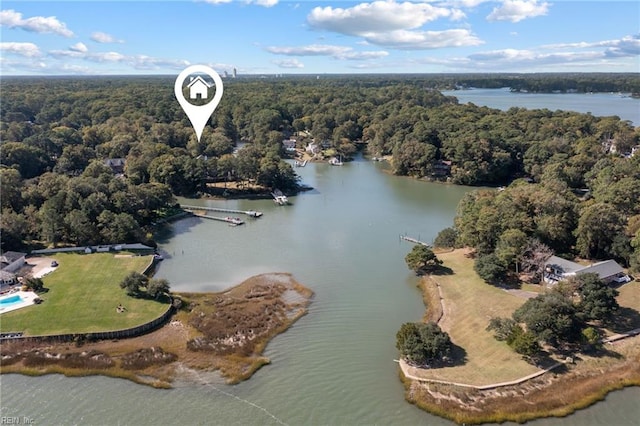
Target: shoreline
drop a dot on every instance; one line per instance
(253, 312)
(555, 393)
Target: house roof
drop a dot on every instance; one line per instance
(11, 256)
(605, 269)
(564, 265)
(114, 162)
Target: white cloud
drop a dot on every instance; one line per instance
(217, 1)
(79, 47)
(464, 3)
(140, 62)
(36, 24)
(22, 49)
(626, 46)
(518, 10)
(264, 3)
(100, 37)
(336, 52)
(409, 40)
(393, 24)
(375, 17)
(289, 63)
(530, 60)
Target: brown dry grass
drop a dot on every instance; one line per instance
(552, 394)
(156, 358)
(468, 304)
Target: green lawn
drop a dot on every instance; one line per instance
(469, 305)
(83, 295)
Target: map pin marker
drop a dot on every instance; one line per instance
(198, 88)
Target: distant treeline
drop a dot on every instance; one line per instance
(57, 132)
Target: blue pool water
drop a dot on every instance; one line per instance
(10, 300)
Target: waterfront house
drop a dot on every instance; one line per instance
(11, 261)
(7, 279)
(289, 144)
(557, 269)
(313, 148)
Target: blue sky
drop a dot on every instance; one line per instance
(315, 37)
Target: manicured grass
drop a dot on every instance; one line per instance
(83, 295)
(469, 304)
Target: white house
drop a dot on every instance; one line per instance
(313, 148)
(289, 144)
(198, 87)
(556, 269)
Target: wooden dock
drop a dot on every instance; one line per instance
(233, 221)
(414, 240)
(250, 213)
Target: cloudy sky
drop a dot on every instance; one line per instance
(313, 37)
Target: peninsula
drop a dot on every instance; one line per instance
(223, 332)
(486, 381)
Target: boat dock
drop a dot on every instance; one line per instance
(414, 240)
(250, 213)
(233, 221)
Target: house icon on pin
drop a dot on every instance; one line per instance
(198, 87)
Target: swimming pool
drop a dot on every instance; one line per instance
(9, 300)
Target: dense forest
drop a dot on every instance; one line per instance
(57, 133)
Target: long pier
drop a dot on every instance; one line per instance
(414, 240)
(233, 221)
(250, 213)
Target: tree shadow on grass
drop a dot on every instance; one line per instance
(602, 352)
(443, 270)
(458, 356)
(626, 319)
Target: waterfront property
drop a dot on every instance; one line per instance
(556, 269)
(83, 296)
(10, 263)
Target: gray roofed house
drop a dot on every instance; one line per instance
(11, 261)
(607, 270)
(116, 165)
(556, 269)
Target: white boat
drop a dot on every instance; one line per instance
(279, 198)
(335, 161)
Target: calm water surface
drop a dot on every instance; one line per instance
(335, 365)
(598, 104)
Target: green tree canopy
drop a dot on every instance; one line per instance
(421, 343)
(597, 298)
(550, 317)
(422, 260)
(133, 283)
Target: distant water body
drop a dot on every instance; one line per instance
(597, 104)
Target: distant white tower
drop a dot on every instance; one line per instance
(235, 73)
